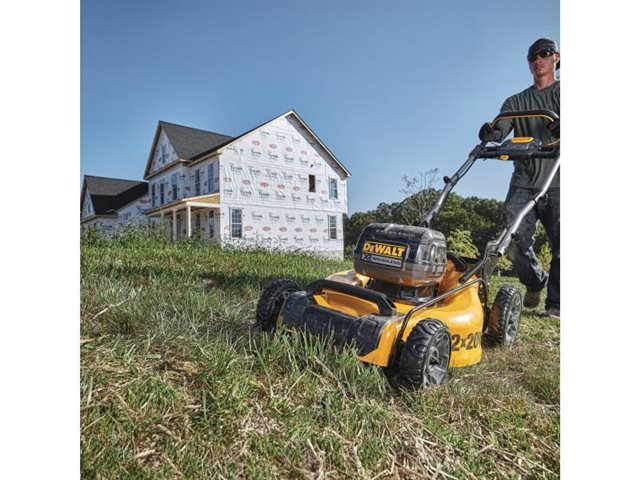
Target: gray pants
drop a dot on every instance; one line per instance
(529, 270)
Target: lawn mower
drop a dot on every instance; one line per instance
(409, 306)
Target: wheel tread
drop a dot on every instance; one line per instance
(499, 313)
(415, 351)
(265, 315)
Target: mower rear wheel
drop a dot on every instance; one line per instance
(504, 318)
(424, 359)
(271, 301)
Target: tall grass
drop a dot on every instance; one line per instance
(175, 382)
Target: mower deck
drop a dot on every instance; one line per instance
(353, 320)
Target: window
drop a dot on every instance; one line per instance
(198, 222)
(164, 153)
(210, 177)
(197, 182)
(161, 193)
(236, 223)
(174, 186)
(333, 227)
(312, 183)
(333, 188)
(154, 200)
(212, 222)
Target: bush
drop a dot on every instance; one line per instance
(460, 243)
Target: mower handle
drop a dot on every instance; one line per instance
(546, 151)
(482, 151)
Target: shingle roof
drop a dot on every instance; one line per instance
(205, 153)
(190, 142)
(113, 193)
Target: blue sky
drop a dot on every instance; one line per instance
(131, 77)
(392, 88)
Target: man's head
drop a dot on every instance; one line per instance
(543, 57)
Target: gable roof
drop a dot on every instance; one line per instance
(186, 141)
(192, 144)
(110, 194)
(212, 150)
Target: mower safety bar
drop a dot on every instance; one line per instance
(547, 114)
(385, 305)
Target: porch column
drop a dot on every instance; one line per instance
(175, 227)
(189, 221)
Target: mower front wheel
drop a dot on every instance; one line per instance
(504, 318)
(271, 301)
(424, 359)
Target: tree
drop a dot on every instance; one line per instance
(460, 243)
(481, 217)
(417, 202)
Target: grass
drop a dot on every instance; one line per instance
(175, 383)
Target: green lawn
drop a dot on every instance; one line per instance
(176, 384)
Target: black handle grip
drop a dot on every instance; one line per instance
(384, 303)
(497, 152)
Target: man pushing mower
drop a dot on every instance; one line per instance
(544, 59)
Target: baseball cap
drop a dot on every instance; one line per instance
(543, 44)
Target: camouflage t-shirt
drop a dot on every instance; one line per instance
(532, 173)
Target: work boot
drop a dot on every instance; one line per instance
(552, 313)
(532, 299)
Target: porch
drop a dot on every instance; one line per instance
(185, 210)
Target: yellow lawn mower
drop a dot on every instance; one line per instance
(408, 305)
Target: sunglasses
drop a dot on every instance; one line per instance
(541, 53)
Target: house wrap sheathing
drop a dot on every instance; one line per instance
(276, 185)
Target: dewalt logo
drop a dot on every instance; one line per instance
(384, 249)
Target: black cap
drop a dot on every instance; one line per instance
(543, 44)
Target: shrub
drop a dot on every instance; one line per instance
(460, 243)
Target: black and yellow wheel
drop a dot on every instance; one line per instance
(504, 318)
(271, 301)
(424, 360)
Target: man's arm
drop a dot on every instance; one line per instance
(498, 132)
(506, 125)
